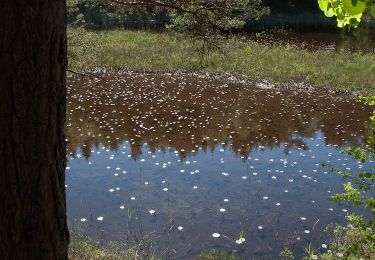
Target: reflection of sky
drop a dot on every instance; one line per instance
(269, 190)
(257, 155)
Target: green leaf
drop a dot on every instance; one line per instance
(323, 5)
(352, 9)
(366, 175)
(334, 3)
(330, 12)
(372, 11)
(354, 22)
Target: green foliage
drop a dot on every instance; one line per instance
(242, 235)
(98, 14)
(286, 254)
(279, 63)
(202, 18)
(129, 214)
(348, 12)
(349, 242)
(358, 191)
(215, 254)
(84, 248)
(357, 241)
(310, 253)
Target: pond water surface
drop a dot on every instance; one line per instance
(195, 161)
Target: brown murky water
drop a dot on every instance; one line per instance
(190, 157)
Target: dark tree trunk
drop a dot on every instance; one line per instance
(32, 114)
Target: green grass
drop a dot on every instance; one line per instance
(344, 243)
(85, 249)
(139, 50)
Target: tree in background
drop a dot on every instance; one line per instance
(348, 12)
(204, 20)
(98, 14)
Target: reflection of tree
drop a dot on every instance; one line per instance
(190, 113)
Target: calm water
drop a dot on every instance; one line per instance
(190, 157)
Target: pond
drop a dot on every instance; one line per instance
(187, 163)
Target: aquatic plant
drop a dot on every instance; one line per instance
(358, 239)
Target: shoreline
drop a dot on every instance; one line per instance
(226, 77)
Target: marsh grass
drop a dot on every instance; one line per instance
(343, 243)
(215, 254)
(89, 249)
(85, 247)
(280, 63)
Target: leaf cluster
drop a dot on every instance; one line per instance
(348, 12)
(358, 191)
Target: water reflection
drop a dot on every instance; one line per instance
(196, 161)
(188, 113)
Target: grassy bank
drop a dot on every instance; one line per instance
(89, 249)
(140, 50)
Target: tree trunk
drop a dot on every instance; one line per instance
(33, 221)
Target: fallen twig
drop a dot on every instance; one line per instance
(314, 225)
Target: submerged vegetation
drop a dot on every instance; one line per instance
(277, 63)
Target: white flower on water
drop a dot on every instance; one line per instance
(216, 235)
(100, 218)
(152, 212)
(240, 240)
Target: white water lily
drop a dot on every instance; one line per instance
(240, 240)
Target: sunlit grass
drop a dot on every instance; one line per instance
(140, 50)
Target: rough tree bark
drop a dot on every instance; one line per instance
(32, 146)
